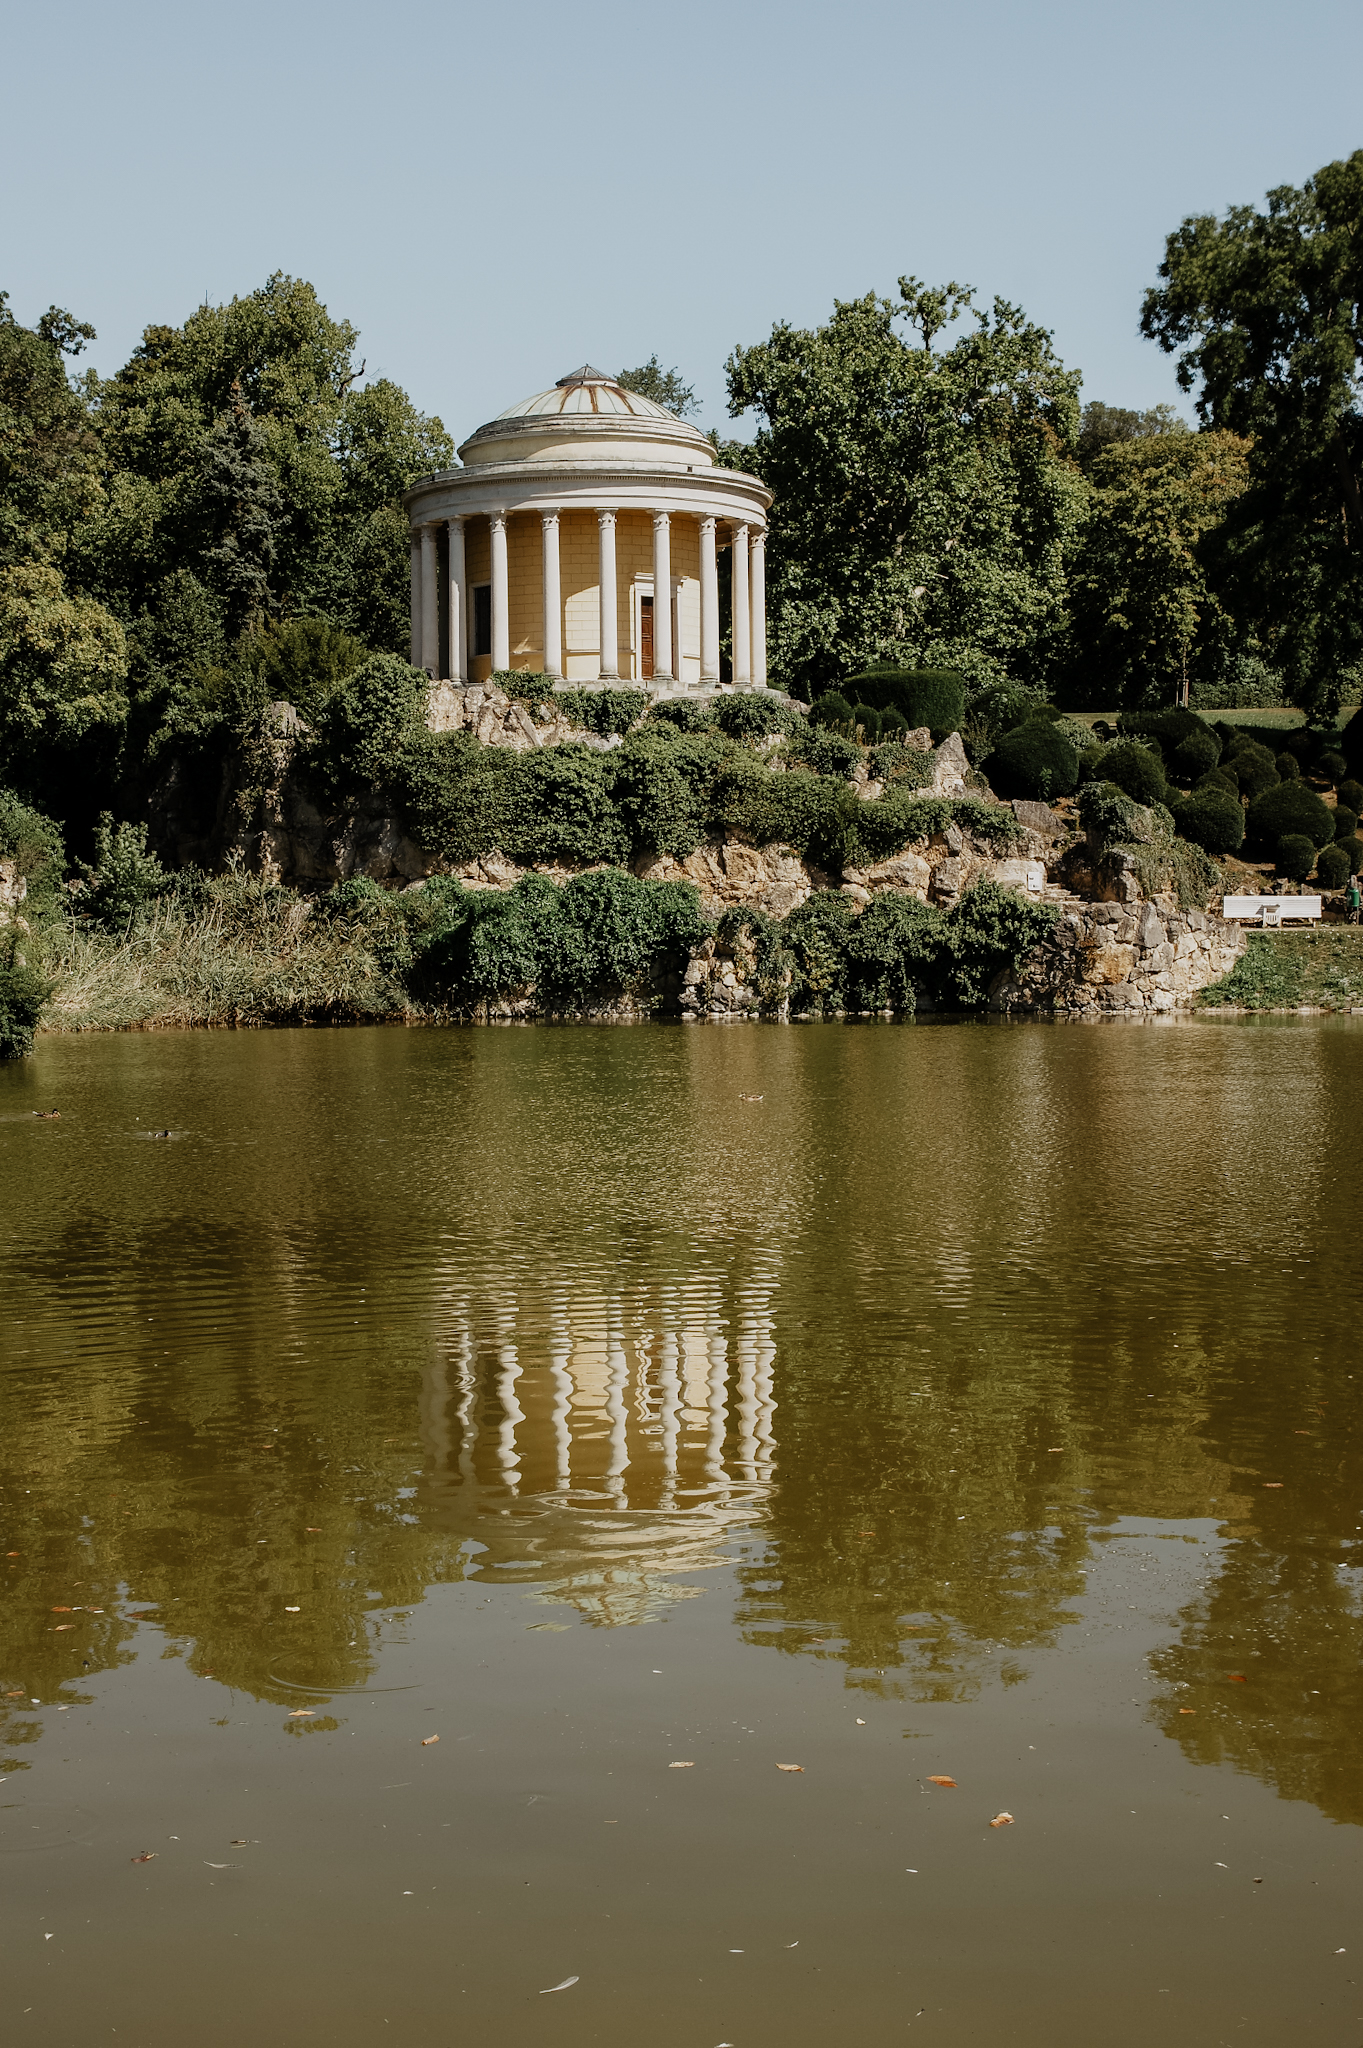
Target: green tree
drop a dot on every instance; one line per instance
(665, 387)
(1144, 611)
(63, 663)
(1100, 425)
(49, 457)
(1263, 310)
(925, 502)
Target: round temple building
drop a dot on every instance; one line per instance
(581, 538)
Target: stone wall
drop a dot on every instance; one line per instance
(1121, 959)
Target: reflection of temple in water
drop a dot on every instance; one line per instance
(599, 1445)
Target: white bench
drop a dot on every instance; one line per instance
(1271, 911)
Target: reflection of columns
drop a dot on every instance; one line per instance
(617, 1368)
(610, 649)
(560, 1351)
(553, 598)
(759, 605)
(430, 603)
(741, 620)
(719, 1415)
(416, 598)
(458, 607)
(709, 604)
(501, 620)
(508, 1457)
(662, 598)
(669, 1403)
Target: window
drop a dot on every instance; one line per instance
(482, 618)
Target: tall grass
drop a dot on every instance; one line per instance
(233, 952)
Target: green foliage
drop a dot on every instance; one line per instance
(866, 723)
(666, 388)
(1296, 856)
(1136, 770)
(1346, 821)
(1261, 308)
(831, 712)
(1107, 814)
(49, 457)
(122, 876)
(603, 711)
(1035, 761)
(925, 697)
(528, 685)
(1354, 848)
(374, 713)
(1102, 426)
(755, 715)
(1287, 766)
(1252, 765)
(23, 992)
(1195, 755)
(1330, 764)
(1290, 808)
(990, 929)
(63, 664)
(1351, 793)
(923, 499)
(1263, 978)
(826, 748)
(682, 712)
(301, 662)
(34, 844)
(1212, 819)
(1332, 867)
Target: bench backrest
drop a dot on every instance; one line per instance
(1272, 909)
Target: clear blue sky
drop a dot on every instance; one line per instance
(493, 193)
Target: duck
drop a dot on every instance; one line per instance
(46, 1115)
(751, 1098)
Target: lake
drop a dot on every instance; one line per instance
(577, 1535)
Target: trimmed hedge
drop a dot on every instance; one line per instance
(1211, 819)
(1136, 770)
(1346, 821)
(934, 697)
(1332, 866)
(1034, 761)
(1295, 857)
(1354, 848)
(1289, 809)
(1196, 754)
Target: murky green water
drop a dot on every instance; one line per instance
(979, 1403)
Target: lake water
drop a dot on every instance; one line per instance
(977, 1404)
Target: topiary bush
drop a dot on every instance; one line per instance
(866, 722)
(1330, 765)
(1169, 727)
(1351, 793)
(1252, 766)
(892, 722)
(1346, 821)
(685, 714)
(1212, 819)
(1035, 762)
(1289, 808)
(1354, 849)
(1136, 770)
(1296, 856)
(1332, 867)
(1287, 766)
(934, 697)
(832, 712)
(1219, 778)
(1196, 754)
(754, 715)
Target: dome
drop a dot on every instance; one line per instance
(588, 416)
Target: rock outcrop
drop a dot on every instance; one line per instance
(1121, 959)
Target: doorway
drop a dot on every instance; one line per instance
(645, 639)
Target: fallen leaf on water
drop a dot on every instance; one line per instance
(147, 1856)
(302, 1713)
(62, 1625)
(239, 1842)
(790, 1767)
(15, 1695)
(310, 1531)
(1238, 1678)
(1272, 1484)
(293, 1610)
(1002, 1820)
(942, 1781)
(218, 1866)
(558, 1987)
(60, 1610)
(1187, 1710)
(1055, 1447)
(426, 1742)
(691, 1767)
(94, 1610)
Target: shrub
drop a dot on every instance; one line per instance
(1136, 770)
(1354, 849)
(1171, 726)
(1213, 820)
(1295, 856)
(684, 713)
(1288, 766)
(754, 715)
(890, 951)
(123, 875)
(1331, 765)
(302, 662)
(866, 721)
(1252, 766)
(1196, 754)
(1346, 821)
(23, 991)
(826, 750)
(1351, 793)
(1289, 808)
(1219, 778)
(892, 722)
(831, 711)
(1034, 761)
(1332, 867)
(371, 715)
(1106, 813)
(934, 697)
(988, 930)
(35, 846)
(602, 711)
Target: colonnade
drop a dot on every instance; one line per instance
(749, 609)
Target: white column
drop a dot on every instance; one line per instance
(709, 604)
(458, 604)
(662, 598)
(610, 644)
(553, 598)
(741, 619)
(759, 605)
(501, 620)
(416, 598)
(430, 602)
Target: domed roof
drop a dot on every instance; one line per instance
(586, 390)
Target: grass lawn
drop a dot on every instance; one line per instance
(1281, 970)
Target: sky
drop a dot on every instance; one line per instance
(495, 194)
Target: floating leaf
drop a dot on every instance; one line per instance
(302, 1713)
(293, 1610)
(61, 1610)
(427, 1740)
(942, 1781)
(790, 1767)
(147, 1856)
(1187, 1710)
(1238, 1678)
(1272, 1484)
(1002, 1820)
(558, 1987)
(687, 1767)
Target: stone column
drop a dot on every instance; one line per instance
(553, 598)
(709, 604)
(610, 639)
(459, 604)
(662, 598)
(741, 616)
(501, 617)
(759, 605)
(416, 598)
(430, 602)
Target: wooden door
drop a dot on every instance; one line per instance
(645, 639)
